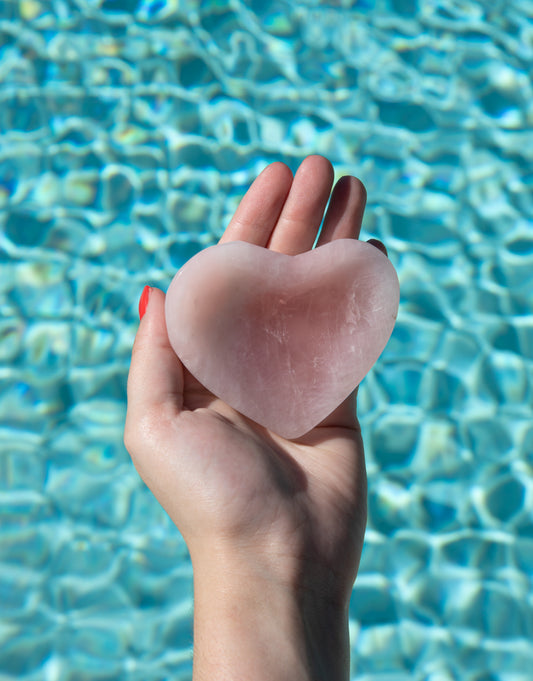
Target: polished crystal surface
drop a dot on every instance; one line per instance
(283, 339)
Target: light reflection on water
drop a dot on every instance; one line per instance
(129, 132)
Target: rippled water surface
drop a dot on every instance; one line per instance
(128, 133)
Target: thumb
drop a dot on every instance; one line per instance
(155, 381)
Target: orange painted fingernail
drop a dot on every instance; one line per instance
(143, 302)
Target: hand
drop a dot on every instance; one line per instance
(272, 525)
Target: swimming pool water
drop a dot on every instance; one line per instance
(128, 132)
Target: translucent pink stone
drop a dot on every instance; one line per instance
(283, 339)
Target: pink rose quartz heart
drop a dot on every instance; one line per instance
(283, 339)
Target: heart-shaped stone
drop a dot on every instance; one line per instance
(283, 339)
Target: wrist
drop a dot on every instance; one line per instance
(250, 624)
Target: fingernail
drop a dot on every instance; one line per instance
(379, 245)
(143, 302)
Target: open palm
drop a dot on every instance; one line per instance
(224, 480)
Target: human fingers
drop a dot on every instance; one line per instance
(155, 381)
(260, 207)
(345, 211)
(302, 213)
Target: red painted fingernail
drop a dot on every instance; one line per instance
(143, 302)
(379, 245)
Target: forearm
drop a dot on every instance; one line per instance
(250, 628)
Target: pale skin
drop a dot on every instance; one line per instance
(274, 527)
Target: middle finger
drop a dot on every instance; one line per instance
(302, 213)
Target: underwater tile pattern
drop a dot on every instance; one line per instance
(129, 130)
